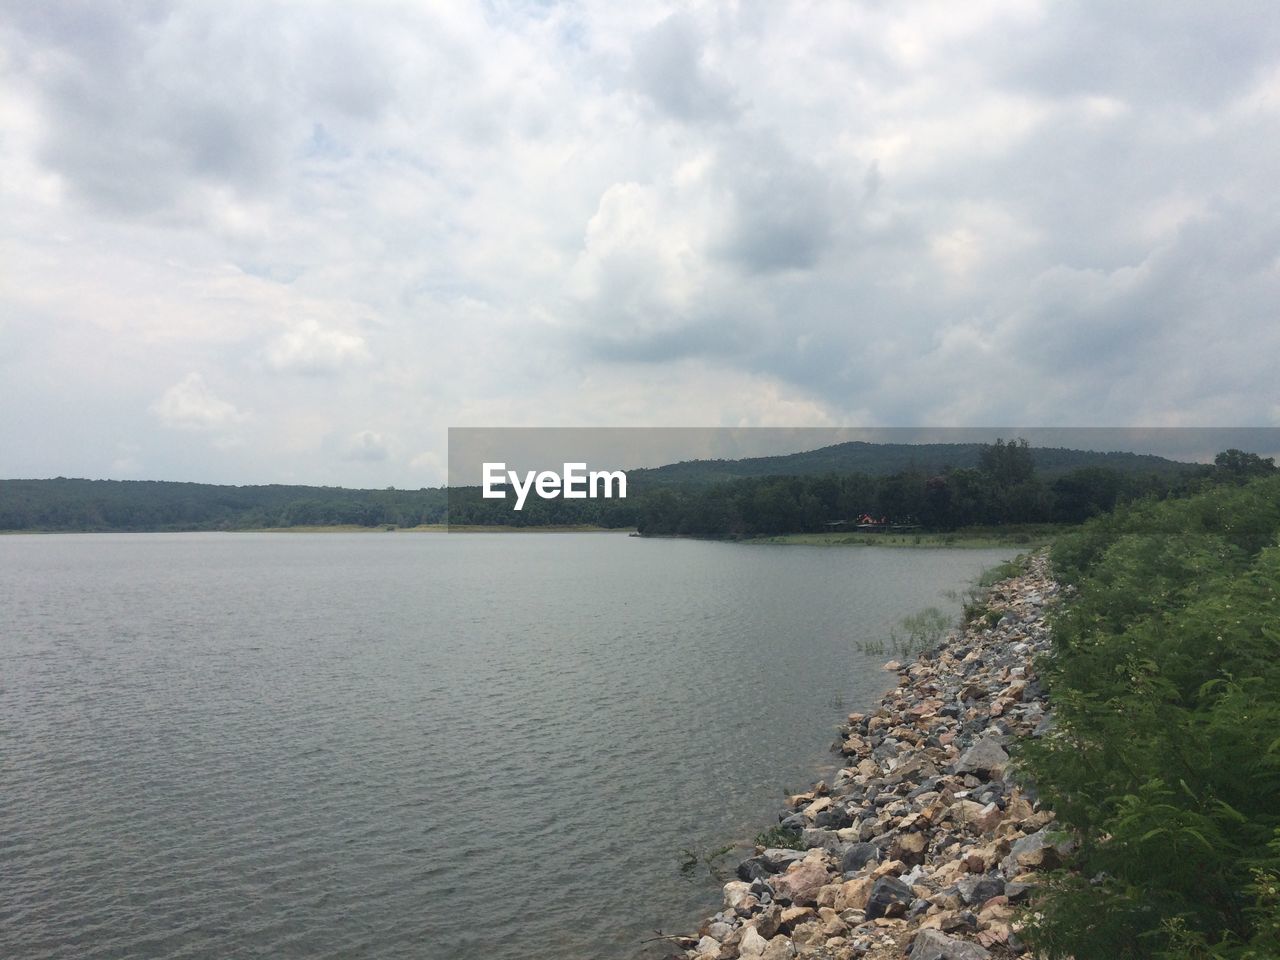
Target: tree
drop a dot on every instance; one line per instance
(1237, 466)
(1007, 464)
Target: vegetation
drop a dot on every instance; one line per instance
(886, 459)
(63, 504)
(1007, 490)
(1165, 759)
(780, 838)
(1003, 489)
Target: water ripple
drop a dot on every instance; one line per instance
(448, 748)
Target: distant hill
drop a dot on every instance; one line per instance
(64, 504)
(883, 459)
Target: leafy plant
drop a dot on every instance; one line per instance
(783, 838)
(919, 632)
(1164, 759)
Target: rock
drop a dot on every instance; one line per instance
(752, 868)
(1017, 892)
(929, 944)
(792, 915)
(768, 862)
(835, 817)
(751, 944)
(800, 884)
(1032, 852)
(986, 758)
(920, 837)
(908, 847)
(779, 948)
(988, 817)
(735, 893)
(854, 894)
(890, 897)
(964, 950)
(718, 930)
(709, 946)
(978, 890)
(769, 921)
(858, 856)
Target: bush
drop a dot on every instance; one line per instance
(1165, 757)
(781, 838)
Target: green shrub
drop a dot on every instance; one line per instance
(783, 838)
(1165, 757)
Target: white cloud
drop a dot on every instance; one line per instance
(191, 405)
(309, 348)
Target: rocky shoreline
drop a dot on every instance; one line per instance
(920, 846)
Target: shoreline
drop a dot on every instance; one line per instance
(919, 843)
(351, 528)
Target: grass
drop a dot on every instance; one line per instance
(780, 838)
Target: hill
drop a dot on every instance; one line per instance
(884, 459)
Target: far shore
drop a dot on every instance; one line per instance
(973, 538)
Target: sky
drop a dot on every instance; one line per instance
(296, 242)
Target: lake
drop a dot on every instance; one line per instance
(451, 747)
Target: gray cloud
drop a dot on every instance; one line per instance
(781, 208)
(670, 70)
(366, 447)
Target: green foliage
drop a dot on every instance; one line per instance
(1237, 466)
(66, 504)
(871, 648)
(919, 632)
(1001, 571)
(1165, 757)
(780, 838)
(1001, 489)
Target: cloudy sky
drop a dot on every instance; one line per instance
(256, 242)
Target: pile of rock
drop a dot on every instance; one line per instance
(920, 846)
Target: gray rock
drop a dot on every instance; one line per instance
(834, 818)
(826, 839)
(1017, 892)
(858, 855)
(985, 758)
(929, 945)
(770, 861)
(890, 897)
(965, 950)
(753, 868)
(978, 890)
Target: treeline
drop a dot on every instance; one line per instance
(1004, 488)
(1165, 760)
(136, 505)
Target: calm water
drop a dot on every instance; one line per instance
(403, 745)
